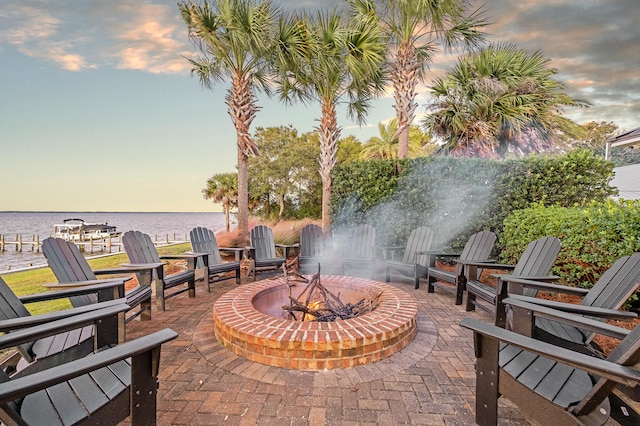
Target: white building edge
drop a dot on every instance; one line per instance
(626, 178)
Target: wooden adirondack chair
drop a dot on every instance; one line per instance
(534, 263)
(70, 267)
(141, 251)
(415, 260)
(45, 351)
(315, 249)
(478, 248)
(263, 251)
(359, 259)
(601, 302)
(550, 384)
(203, 240)
(102, 388)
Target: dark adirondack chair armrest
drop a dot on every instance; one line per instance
(386, 250)
(486, 264)
(232, 249)
(93, 283)
(568, 318)
(139, 267)
(190, 255)
(28, 384)
(191, 258)
(540, 285)
(512, 278)
(578, 309)
(287, 247)
(73, 289)
(203, 256)
(29, 334)
(438, 253)
(31, 320)
(600, 367)
(237, 251)
(115, 271)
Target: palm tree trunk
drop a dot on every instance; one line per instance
(405, 78)
(329, 135)
(242, 108)
(243, 199)
(227, 207)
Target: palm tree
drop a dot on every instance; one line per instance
(386, 146)
(415, 29)
(498, 100)
(327, 58)
(223, 188)
(235, 38)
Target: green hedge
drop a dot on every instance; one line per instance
(459, 196)
(592, 237)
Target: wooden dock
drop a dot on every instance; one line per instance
(92, 245)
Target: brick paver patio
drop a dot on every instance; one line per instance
(430, 382)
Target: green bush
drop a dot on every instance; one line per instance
(460, 196)
(593, 237)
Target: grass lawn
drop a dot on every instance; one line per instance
(31, 281)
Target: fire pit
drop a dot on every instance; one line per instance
(250, 322)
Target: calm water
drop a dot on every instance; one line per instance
(28, 224)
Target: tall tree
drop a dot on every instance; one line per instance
(223, 188)
(498, 101)
(287, 170)
(416, 29)
(596, 134)
(235, 39)
(349, 149)
(332, 58)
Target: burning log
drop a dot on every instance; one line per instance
(328, 307)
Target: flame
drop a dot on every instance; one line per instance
(312, 305)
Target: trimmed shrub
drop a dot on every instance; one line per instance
(460, 196)
(593, 237)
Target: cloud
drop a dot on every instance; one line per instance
(150, 40)
(35, 32)
(124, 34)
(21, 24)
(591, 43)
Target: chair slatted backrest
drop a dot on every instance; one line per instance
(69, 265)
(140, 248)
(363, 242)
(312, 243)
(263, 242)
(478, 247)
(616, 284)
(537, 260)
(420, 239)
(10, 308)
(203, 240)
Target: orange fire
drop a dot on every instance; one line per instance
(312, 305)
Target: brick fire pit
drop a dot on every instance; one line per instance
(249, 321)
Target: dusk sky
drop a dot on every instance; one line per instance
(98, 111)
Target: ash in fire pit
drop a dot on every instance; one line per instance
(248, 320)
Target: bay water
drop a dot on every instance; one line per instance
(160, 226)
